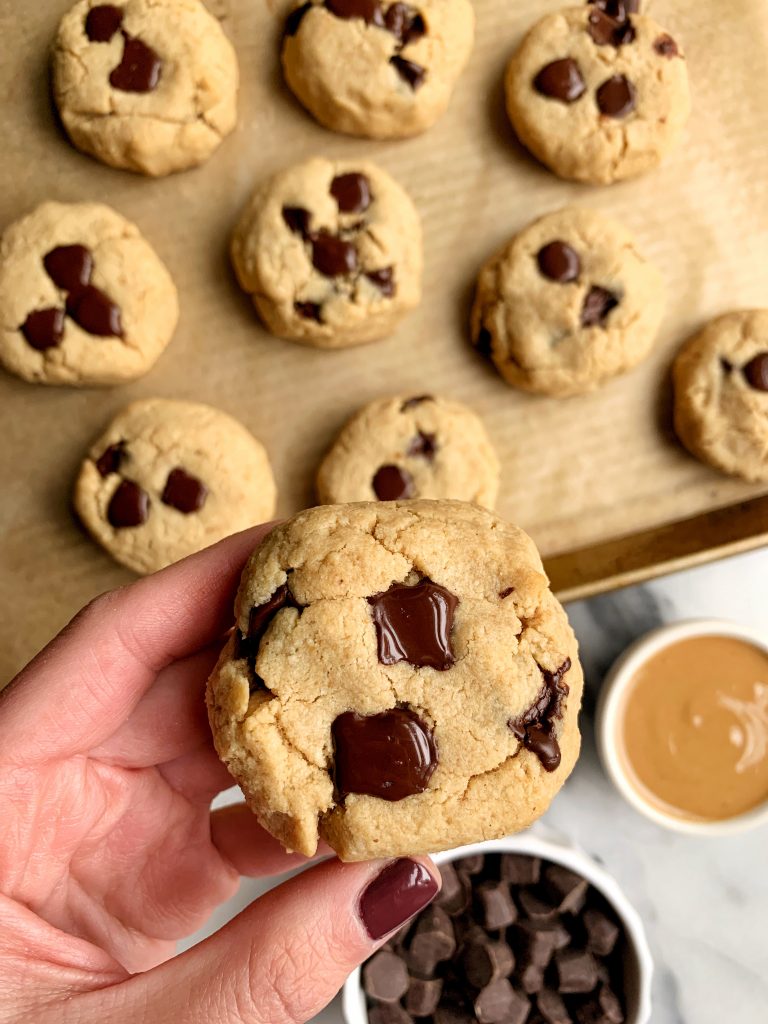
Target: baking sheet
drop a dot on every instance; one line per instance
(597, 480)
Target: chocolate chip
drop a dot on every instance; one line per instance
(565, 888)
(602, 933)
(297, 219)
(423, 446)
(129, 505)
(295, 19)
(561, 80)
(332, 256)
(520, 869)
(756, 372)
(411, 403)
(666, 46)
(405, 23)
(453, 1015)
(95, 312)
(497, 905)
(536, 941)
(111, 459)
(390, 755)
(498, 1003)
(552, 1008)
(484, 342)
(260, 616)
(607, 30)
(530, 978)
(535, 727)
(368, 10)
(385, 977)
(309, 310)
(506, 592)
(391, 483)
(576, 971)
(414, 624)
(598, 303)
(384, 280)
(184, 492)
(352, 192)
(388, 1013)
(44, 328)
(535, 908)
(559, 262)
(484, 962)
(455, 894)
(423, 996)
(413, 74)
(618, 9)
(616, 97)
(140, 68)
(432, 943)
(102, 22)
(69, 266)
(471, 865)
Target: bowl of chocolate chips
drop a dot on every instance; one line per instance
(524, 931)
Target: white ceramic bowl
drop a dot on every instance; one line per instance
(638, 970)
(610, 709)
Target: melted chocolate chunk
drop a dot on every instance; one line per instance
(369, 10)
(756, 372)
(607, 30)
(111, 459)
(129, 505)
(411, 403)
(309, 310)
(297, 220)
(559, 262)
(139, 70)
(535, 727)
(405, 23)
(484, 342)
(384, 280)
(332, 256)
(598, 303)
(666, 46)
(391, 483)
(95, 312)
(391, 755)
(352, 192)
(423, 445)
(413, 74)
(69, 267)
(184, 492)
(295, 18)
(261, 615)
(102, 22)
(561, 80)
(616, 97)
(44, 328)
(414, 624)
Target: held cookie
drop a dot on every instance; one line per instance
(146, 85)
(168, 478)
(410, 446)
(330, 253)
(721, 394)
(400, 680)
(375, 68)
(84, 299)
(598, 93)
(568, 303)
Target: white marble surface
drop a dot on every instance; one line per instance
(704, 901)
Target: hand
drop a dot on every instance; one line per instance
(110, 853)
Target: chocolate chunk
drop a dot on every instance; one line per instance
(384, 280)
(139, 70)
(498, 1003)
(534, 908)
(297, 220)
(385, 977)
(536, 941)
(111, 459)
(391, 483)
(260, 616)
(129, 505)
(414, 624)
(618, 9)
(184, 492)
(530, 978)
(559, 262)
(598, 303)
(368, 10)
(606, 30)
(552, 1008)
(565, 888)
(95, 312)
(433, 941)
(455, 894)
(453, 1015)
(405, 23)
(604, 1009)
(616, 97)
(666, 46)
(309, 310)
(561, 80)
(388, 1013)
(44, 328)
(332, 256)
(390, 755)
(519, 868)
(295, 19)
(602, 933)
(576, 971)
(69, 266)
(411, 403)
(484, 962)
(471, 865)
(506, 592)
(756, 372)
(352, 192)
(423, 996)
(497, 905)
(484, 342)
(413, 74)
(535, 727)
(423, 445)
(102, 22)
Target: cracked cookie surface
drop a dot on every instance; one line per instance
(84, 299)
(411, 446)
(567, 304)
(596, 97)
(330, 253)
(721, 394)
(168, 478)
(145, 85)
(400, 680)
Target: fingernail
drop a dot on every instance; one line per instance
(401, 890)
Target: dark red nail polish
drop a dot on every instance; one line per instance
(401, 890)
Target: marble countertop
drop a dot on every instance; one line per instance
(704, 901)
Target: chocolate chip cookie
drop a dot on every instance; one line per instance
(568, 303)
(598, 93)
(168, 478)
(146, 85)
(374, 68)
(84, 299)
(330, 253)
(400, 680)
(721, 394)
(411, 446)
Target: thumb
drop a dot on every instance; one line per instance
(286, 956)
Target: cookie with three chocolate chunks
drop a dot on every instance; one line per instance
(330, 253)
(567, 304)
(84, 298)
(149, 85)
(721, 394)
(168, 478)
(599, 92)
(376, 68)
(410, 446)
(381, 650)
